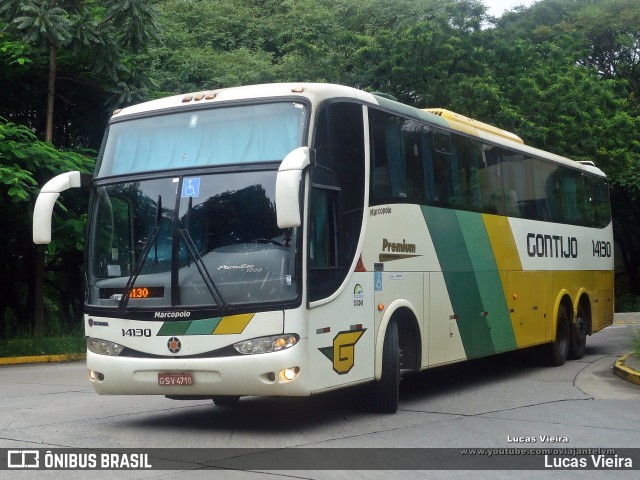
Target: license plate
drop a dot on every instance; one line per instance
(183, 379)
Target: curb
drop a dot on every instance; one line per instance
(43, 359)
(624, 372)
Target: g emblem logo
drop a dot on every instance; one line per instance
(343, 352)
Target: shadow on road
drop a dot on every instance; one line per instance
(282, 414)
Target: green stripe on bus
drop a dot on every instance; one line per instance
(488, 279)
(459, 275)
(173, 328)
(191, 327)
(203, 327)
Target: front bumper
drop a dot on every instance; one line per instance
(258, 374)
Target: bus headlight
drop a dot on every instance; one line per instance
(266, 344)
(104, 347)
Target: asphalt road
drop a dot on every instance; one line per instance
(487, 403)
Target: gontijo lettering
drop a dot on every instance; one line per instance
(555, 246)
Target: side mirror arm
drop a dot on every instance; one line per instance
(43, 211)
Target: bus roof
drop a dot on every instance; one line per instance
(317, 92)
(460, 122)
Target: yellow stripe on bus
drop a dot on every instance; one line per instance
(502, 243)
(233, 324)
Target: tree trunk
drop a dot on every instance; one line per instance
(51, 91)
(38, 287)
(38, 292)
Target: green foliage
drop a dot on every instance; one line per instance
(13, 52)
(635, 344)
(563, 74)
(24, 160)
(54, 343)
(25, 164)
(86, 48)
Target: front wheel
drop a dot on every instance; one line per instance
(386, 393)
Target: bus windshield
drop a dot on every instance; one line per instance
(200, 138)
(190, 241)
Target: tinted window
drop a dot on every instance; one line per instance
(337, 196)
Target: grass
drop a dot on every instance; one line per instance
(635, 343)
(24, 346)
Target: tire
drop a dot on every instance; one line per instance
(226, 400)
(578, 342)
(556, 352)
(386, 391)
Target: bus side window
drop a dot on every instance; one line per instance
(426, 143)
(381, 182)
(336, 196)
(518, 183)
(490, 180)
(474, 164)
(395, 159)
(323, 252)
(412, 149)
(466, 161)
(597, 195)
(561, 192)
(387, 153)
(441, 156)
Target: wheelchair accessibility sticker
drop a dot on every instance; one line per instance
(191, 187)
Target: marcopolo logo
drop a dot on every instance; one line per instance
(183, 314)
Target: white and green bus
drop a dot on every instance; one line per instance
(291, 239)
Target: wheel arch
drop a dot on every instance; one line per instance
(564, 299)
(409, 335)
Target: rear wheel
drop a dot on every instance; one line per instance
(578, 341)
(555, 353)
(387, 389)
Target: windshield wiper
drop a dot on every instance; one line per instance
(199, 262)
(202, 269)
(143, 257)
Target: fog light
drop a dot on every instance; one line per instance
(289, 374)
(95, 376)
